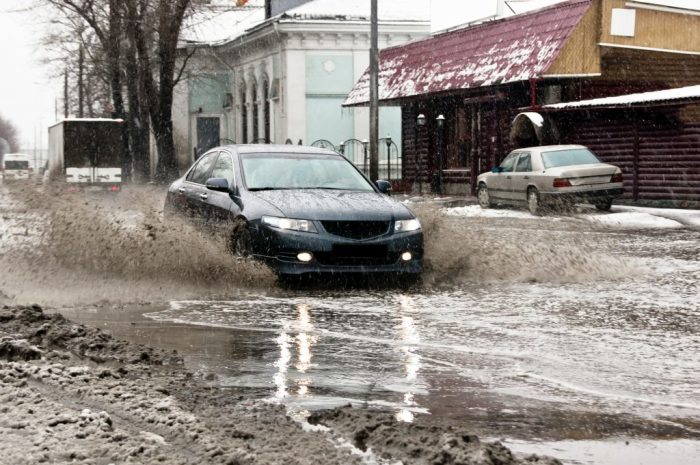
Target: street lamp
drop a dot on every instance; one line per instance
(420, 123)
(440, 120)
(341, 147)
(388, 157)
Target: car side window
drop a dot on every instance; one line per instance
(524, 163)
(223, 168)
(508, 163)
(200, 173)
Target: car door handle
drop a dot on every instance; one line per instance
(203, 196)
(182, 190)
(526, 177)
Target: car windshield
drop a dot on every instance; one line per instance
(263, 171)
(569, 157)
(16, 164)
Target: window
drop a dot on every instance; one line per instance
(244, 118)
(200, 172)
(266, 106)
(524, 163)
(265, 171)
(569, 157)
(256, 112)
(509, 162)
(223, 168)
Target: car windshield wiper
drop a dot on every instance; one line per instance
(255, 189)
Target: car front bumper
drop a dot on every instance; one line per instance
(337, 255)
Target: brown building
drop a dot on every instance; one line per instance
(481, 77)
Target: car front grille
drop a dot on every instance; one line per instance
(356, 229)
(357, 255)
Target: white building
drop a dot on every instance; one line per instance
(283, 78)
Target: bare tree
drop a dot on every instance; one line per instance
(9, 132)
(139, 41)
(157, 63)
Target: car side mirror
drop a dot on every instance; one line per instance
(496, 169)
(383, 186)
(217, 184)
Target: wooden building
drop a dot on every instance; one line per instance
(481, 77)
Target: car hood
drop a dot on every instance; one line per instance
(329, 205)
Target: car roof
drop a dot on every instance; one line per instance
(552, 148)
(279, 148)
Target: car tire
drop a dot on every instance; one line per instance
(604, 205)
(240, 240)
(534, 204)
(482, 194)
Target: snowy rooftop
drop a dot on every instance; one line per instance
(393, 10)
(502, 51)
(662, 96)
(220, 23)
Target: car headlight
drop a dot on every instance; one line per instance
(407, 225)
(289, 224)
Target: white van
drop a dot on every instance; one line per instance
(16, 166)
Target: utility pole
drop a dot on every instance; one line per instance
(374, 95)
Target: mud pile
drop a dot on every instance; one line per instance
(60, 404)
(418, 444)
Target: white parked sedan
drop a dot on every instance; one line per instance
(555, 174)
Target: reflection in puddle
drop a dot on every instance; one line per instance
(303, 341)
(412, 361)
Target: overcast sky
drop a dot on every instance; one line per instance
(28, 95)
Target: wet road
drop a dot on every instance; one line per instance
(568, 338)
(613, 359)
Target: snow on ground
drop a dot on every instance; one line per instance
(621, 217)
(631, 220)
(473, 211)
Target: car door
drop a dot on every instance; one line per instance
(219, 207)
(520, 178)
(193, 187)
(499, 183)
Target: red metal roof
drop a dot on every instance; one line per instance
(497, 52)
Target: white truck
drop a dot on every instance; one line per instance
(87, 154)
(16, 166)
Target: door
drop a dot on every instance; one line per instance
(219, 207)
(521, 177)
(499, 184)
(208, 133)
(193, 187)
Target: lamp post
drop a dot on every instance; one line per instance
(341, 147)
(440, 120)
(420, 123)
(388, 157)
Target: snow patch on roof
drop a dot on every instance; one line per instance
(392, 10)
(692, 92)
(218, 25)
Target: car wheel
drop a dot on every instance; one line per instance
(240, 240)
(604, 205)
(482, 194)
(533, 201)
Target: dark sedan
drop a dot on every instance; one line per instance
(301, 210)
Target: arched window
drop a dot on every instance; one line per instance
(244, 116)
(256, 114)
(266, 106)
